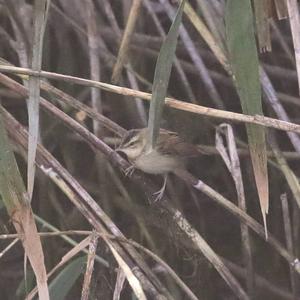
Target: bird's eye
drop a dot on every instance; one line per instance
(131, 144)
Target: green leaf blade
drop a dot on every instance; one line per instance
(41, 8)
(12, 189)
(245, 66)
(64, 281)
(162, 76)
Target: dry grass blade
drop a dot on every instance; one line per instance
(177, 64)
(119, 284)
(89, 267)
(289, 175)
(171, 102)
(198, 62)
(262, 24)
(262, 283)
(289, 239)
(19, 27)
(33, 249)
(64, 98)
(232, 162)
(281, 8)
(245, 66)
(213, 21)
(211, 256)
(133, 281)
(272, 99)
(254, 225)
(94, 60)
(166, 267)
(66, 258)
(16, 200)
(40, 18)
(207, 36)
(65, 236)
(294, 17)
(124, 48)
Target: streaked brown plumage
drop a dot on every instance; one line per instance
(169, 154)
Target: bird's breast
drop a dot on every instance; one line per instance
(155, 163)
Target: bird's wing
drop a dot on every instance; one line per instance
(175, 145)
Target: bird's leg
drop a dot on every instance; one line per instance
(159, 194)
(129, 171)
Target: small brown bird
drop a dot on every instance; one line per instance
(168, 156)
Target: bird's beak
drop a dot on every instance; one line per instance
(120, 151)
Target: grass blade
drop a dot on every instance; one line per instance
(262, 25)
(162, 76)
(245, 66)
(65, 280)
(124, 47)
(294, 15)
(40, 17)
(281, 9)
(15, 199)
(132, 280)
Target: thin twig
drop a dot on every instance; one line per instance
(289, 239)
(171, 102)
(232, 162)
(8, 247)
(89, 267)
